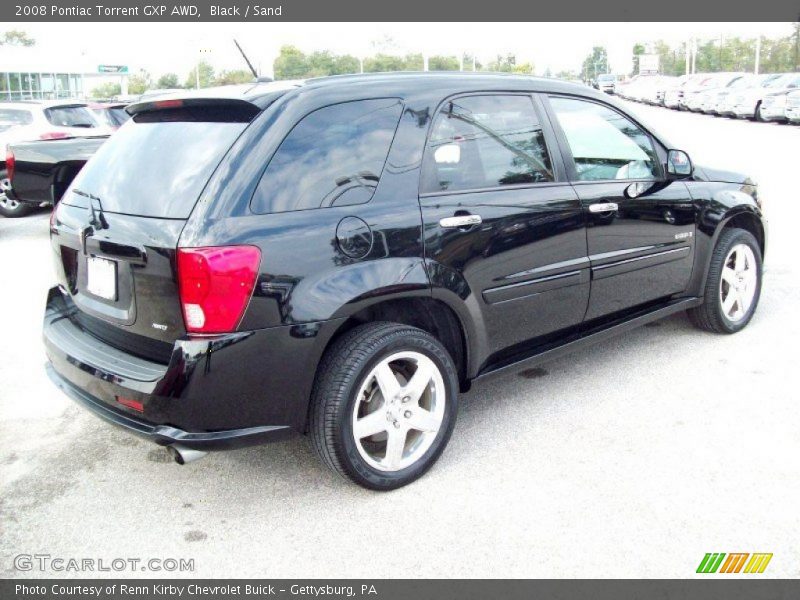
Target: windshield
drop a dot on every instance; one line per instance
(156, 169)
(605, 78)
(785, 80)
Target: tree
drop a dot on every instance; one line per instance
(15, 37)
(206, 76)
(167, 81)
(290, 64)
(232, 77)
(595, 63)
(444, 63)
(638, 50)
(106, 90)
(139, 83)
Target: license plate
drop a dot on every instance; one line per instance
(101, 277)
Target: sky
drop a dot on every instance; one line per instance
(175, 47)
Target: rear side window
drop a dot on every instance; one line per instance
(485, 142)
(157, 164)
(70, 116)
(333, 157)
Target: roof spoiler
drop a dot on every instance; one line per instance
(239, 107)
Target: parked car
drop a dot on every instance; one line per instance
(653, 92)
(634, 89)
(773, 104)
(793, 106)
(748, 103)
(110, 114)
(674, 93)
(704, 94)
(697, 85)
(42, 120)
(340, 257)
(752, 85)
(39, 172)
(711, 99)
(606, 82)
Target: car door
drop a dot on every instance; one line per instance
(640, 226)
(502, 226)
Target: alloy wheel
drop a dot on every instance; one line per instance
(398, 411)
(738, 283)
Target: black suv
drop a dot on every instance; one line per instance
(342, 256)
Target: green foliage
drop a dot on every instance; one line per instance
(292, 63)
(15, 37)
(167, 81)
(106, 90)
(206, 76)
(233, 77)
(139, 82)
(384, 63)
(778, 55)
(595, 63)
(444, 63)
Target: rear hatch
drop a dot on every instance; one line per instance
(116, 230)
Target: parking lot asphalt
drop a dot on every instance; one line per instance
(630, 459)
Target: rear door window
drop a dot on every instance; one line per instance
(480, 142)
(70, 116)
(332, 157)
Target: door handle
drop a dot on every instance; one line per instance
(461, 221)
(603, 207)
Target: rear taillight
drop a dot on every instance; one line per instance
(53, 135)
(215, 285)
(11, 163)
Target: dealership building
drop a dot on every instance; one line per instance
(27, 73)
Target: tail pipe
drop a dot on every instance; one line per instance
(183, 455)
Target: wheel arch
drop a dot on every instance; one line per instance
(424, 312)
(740, 217)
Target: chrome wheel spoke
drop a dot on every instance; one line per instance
(373, 423)
(729, 276)
(739, 260)
(387, 380)
(424, 420)
(419, 381)
(729, 301)
(395, 446)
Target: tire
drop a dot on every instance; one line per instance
(726, 309)
(757, 115)
(8, 207)
(346, 386)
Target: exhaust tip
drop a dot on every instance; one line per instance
(183, 455)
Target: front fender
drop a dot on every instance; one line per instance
(719, 204)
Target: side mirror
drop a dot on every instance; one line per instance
(679, 164)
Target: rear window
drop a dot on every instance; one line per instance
(157, 168)
(70, 116)
(10, 117)
(332, 157)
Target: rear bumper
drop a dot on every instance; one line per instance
(165, 435)
(215, 392)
